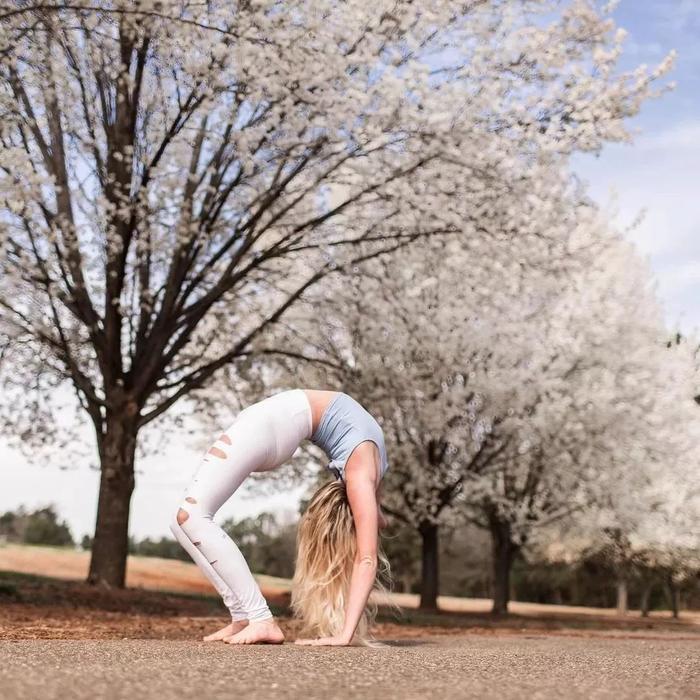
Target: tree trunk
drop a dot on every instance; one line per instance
(644, 603)
(673, 596)
(503, 551)
(621, 596)
(430, 571)
(117, 449)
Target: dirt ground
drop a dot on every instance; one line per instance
(64, 639)
(151, 574)
(34, 607)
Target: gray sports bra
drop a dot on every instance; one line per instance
(343, 426)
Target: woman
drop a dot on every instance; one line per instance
(338, 535)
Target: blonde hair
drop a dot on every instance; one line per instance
(326, 549)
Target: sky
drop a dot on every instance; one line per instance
(657, 175)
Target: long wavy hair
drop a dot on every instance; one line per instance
(326, 548)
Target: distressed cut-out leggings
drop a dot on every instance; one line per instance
(262, 437)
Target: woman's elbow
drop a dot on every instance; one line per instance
(367, 560)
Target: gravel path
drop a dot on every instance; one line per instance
(500, 667)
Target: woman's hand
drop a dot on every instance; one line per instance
(337, 641)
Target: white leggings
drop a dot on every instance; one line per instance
(262, 437)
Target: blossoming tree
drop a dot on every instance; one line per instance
(177, 174)
(514, 382)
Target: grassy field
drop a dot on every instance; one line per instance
(42, 595)
(149, 573)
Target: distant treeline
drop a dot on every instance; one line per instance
(40, 526)
(269, 547)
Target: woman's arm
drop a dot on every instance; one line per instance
(363, 503)
(361, 489)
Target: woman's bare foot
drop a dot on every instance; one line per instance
(261, 632)
(227, 631)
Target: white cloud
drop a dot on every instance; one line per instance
(644, 50)
(658, 175)
(680, 16)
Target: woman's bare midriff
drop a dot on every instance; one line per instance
(318, 400)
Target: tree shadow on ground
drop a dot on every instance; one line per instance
(38, 607)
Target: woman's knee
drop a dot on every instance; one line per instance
(184, 512)
(189, 508)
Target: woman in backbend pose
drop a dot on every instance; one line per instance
(337, 543)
